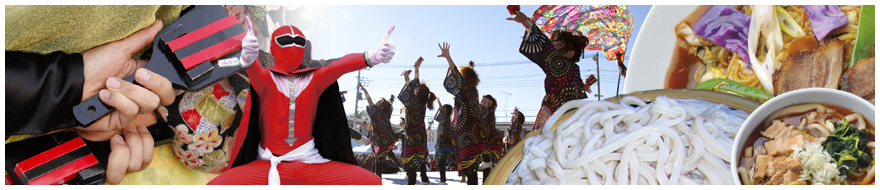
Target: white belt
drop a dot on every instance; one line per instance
(305, 153)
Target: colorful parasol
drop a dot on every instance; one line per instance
(607, 26)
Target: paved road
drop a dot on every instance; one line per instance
(452, 178)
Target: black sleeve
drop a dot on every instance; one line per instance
(41, 91)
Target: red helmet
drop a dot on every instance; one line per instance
(288, 47)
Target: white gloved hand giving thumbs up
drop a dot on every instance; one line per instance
(384, 52)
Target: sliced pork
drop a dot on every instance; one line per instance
(820, 67)
(859, 79)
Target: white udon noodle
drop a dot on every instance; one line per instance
(668, 141)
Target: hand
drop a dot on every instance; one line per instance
(520, 18)
(130, 154)
(471, 63)
(250, 49)
(362, 86)
(384, 52)
(444, 50)
(418, 63)
(405, 73)
(97, 136)
(105, 65)
(237, 11)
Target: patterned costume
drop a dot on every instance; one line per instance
(490, 136)
(513, 134)
(467, 121)
(415, 147)
(383, 136)
(444, 137)
(444, 154)
(563, 81)
(204, 122)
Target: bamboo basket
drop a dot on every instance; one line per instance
(509, 162)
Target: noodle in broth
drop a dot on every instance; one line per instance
(815, 122)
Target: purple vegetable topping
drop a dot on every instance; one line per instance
(824, 19)
(727, 27)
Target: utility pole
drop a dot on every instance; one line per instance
(357, 97)
(505, 102)
(598, 78)
(618, 85)
(620, 71)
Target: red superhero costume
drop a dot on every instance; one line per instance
(286, 98)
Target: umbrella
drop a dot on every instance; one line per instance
(607, 26)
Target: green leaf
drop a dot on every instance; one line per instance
(865, 38)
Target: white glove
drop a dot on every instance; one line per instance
(250, 49)
(384, 52)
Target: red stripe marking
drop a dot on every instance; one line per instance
(49, 155)
(9, 180)
(212, 53)
(202, 33)
(66, 172)
(416, 148)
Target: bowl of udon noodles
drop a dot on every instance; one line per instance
(806, 137)
(668, 136)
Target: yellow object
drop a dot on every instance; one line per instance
(16, 138)
(45, 29)
(165, 169)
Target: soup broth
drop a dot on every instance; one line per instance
(756, 140)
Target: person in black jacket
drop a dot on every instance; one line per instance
(41, 91)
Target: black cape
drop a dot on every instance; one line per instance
(330, 130)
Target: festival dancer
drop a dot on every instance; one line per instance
(557, 56)
(462, 82)
(415, 96)
(494, 145)
(281, 141)
(383, 136)
(444, 139)
(513, 133)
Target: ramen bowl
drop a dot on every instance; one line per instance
(756, 120)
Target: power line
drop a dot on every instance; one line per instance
(491, 78)
(443, 66)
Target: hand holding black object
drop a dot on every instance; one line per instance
(103, 68)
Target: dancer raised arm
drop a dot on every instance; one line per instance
(462, 83)
(366, 94)
(557, 56)
(415, 97)
(405, 75)
(416, 67)
(444, 52)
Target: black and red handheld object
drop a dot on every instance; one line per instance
(512, 9)
(198, 49)
(60, 158)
